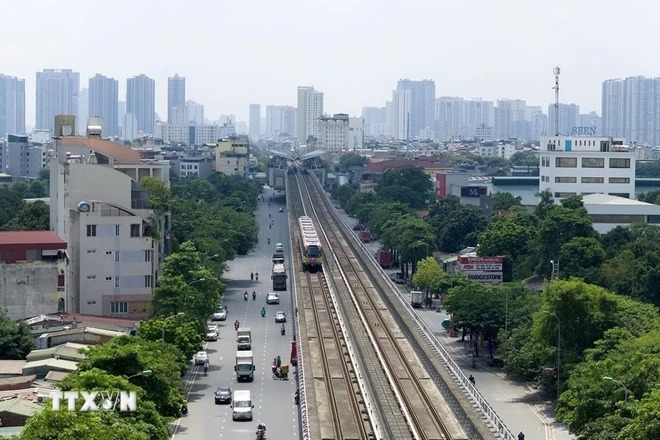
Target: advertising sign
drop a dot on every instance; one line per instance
(484, 277)
(441, 190)
(481, 266)
(483, 260)
(473, 191)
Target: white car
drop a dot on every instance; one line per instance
(220, 314)
(280, 317)
(212, 333)
(201, 358)
(273, 298)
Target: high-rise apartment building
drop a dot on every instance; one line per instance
(255, 120)
(414, 106)
(141, 102)
(280, 120)
(57, 94)
(12, 105)
(176, 98)
(195, 113)
(569, 117)
(375, 119)
(104, 102)
(631, 109)
(310, 109)
(82, 115)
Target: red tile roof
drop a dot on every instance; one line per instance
(31, 237)
(122, 154)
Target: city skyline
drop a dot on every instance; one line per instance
(452, 43)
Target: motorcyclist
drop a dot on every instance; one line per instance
(269, 241)
(263, 311)
(296, 397)
(252, 276)
(245, 295)
(236, 325)
(261, 431)
(254, 295)
(206, 367)
(256, 276)
(279, 361)
(283, 329)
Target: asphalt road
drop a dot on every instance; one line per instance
(272, 399)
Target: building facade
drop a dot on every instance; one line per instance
(195, 112)
(569, 117)
(415, 107)
(141, 102)
(176, 98)
(104, 102)
(232, 156)
(310, 109)
(57, 94)
(97, 203)
(254, 126)
(199, 167)
(280, 120)
(23, 158)
(191, 134)
(586, 165)
(12, 105)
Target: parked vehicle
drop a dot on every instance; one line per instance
(385, 258)
(220, 314)
(201, 358)
(416, 298)
(398, 278)
(212, 333)
(365, 236)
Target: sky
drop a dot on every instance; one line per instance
(237, 53)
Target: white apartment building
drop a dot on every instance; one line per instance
(191, 134)
(499, 149)
(310, 108)
(23, 158)
(581, 165)
(100, 210)
(340, 133)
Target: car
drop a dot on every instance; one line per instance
(281, 210)
(220, 314)
(398, 278)
(201, 357)
(273, 298)
(223, 395)
(280, 317)
(212, 333)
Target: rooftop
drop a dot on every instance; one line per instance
(53, 363)
(120, 153)
(19, 405)
(605, 199)
(14, 238)
(11, 367)
(399, 163)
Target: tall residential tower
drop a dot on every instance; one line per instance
(104, 102)
(141, 102)
(12, 105)
(176, 100)
(310, 109)
(57, 94)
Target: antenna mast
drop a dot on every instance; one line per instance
(555, 71)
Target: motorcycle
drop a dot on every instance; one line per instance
(254, 296)
(260, 433)
(184, 409)
(263, 312)
(296, 397)
(236, 325)
(283, 330)
(245, 296)
(256, 276)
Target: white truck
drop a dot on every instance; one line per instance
(244, 367)
(244, 339)
(416, 298)
(241, 405)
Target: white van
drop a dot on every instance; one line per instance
(279, 248)
(241, 405)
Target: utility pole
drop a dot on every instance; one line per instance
(556, 71)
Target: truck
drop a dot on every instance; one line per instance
(244, 367)
(279, 277)
(278, 259)
(416, 298)
(241, 405)
(278, 255)
(365, 236)
(244, 339)
(385, 258)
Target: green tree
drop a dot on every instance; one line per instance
(384, 212)
(582, 257)
(512, 235)
(160, 196)
(524, 158)
(182, 332)
(545, 203)
(456, 226)
(504, 201)
(429, 275)
(15, 338)
(34, 216)
(343, 194)
(358, 200)
(352, 159)
(409, 185)
(475, 306)
(127, 356)
(650, 197)
(404, 234)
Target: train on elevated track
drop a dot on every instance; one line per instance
(311, 249)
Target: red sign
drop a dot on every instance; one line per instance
(480, 260)
(441, 190)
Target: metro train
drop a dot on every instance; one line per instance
(312, 251)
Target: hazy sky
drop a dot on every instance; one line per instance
(234, 53)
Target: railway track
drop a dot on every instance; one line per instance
(340, 396)
(421, 411)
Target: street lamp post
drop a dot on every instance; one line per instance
(210, 257)
(558, 348)
(145, 373)
(621, 384)
(165, 320)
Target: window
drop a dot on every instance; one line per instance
(592, 180)
(565, 179)
(616, 218)
(593, 162)
(619, 163)
(108, 278)
(118, 308)
(116, 256)
(147, 256)
(91, 251)
(624, 195)
(619, 180)
(116, 230)
(135, 230)
(148, 280)
(91, 277)
(566, 162)
(117, 282)
(108, 252)
(559, 195)
(91, 230)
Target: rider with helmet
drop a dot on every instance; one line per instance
(254, 295)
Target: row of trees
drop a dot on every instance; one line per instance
(211, 222)
(16, 214)
(602, 306)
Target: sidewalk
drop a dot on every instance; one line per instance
(518, 405)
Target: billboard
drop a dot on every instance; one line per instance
(441, 190)
(482, 266)
(482, 260)
(484, 277)
(473, 191)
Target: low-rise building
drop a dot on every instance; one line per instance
(199, 167)
(607, 211)
(32, 277)
(232, 156)
(15, 411)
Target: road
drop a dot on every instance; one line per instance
(272, 399)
